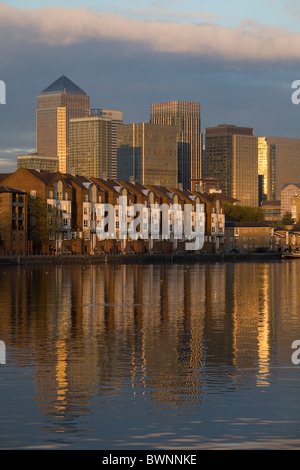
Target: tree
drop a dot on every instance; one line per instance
(287, 219)
(244, 213)
(44, 220)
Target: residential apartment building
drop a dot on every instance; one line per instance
(56, 105)
(76, 214)
(231, 156)
(288, 191)
(250, 237)
(13, 221)
(147, 154)
(185, 116)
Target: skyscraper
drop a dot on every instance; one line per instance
(231, 156)
(90, 149)
(185, 116)
(148, 154)
(56, 105)
(283, 163)
(116, 118)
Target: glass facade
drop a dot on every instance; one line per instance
(231, 156)
(185, 116)
(116, 118)
(90, 149)
(147, 153)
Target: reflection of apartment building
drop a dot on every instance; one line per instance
(13, 221)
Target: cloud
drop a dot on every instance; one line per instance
(58, 26)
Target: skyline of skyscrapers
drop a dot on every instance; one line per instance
(73, 137)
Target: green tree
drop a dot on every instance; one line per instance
(244, 213)
(44, 220)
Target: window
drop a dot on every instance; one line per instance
(33, 193)
(85, 223)
(65, 222)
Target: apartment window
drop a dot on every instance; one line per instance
(65, 222)
(85, 223)
(85, 210)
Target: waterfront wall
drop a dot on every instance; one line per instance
(181, 258)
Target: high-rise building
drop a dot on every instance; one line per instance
(90, 149)
(116, 118)
(283, 163)
(35, 161)
(56, 105)
(185, 116)
(231, 156)
(147, 153)
(263, 168)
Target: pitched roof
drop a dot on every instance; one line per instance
(63, 83)
(7, 189)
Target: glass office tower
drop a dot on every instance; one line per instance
(147, 154)
(56, 105)
(116, 118)
(185, 116)
(231, 156)
(90, 151)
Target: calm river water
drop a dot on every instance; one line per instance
(150, 357)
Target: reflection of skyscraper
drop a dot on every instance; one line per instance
(186, 117)
(56, 105)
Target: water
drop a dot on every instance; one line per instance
(150, 357)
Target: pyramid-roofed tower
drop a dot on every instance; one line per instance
(63, 83)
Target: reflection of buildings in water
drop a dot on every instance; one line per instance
(160, 329)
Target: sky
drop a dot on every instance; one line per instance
(237, 58)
